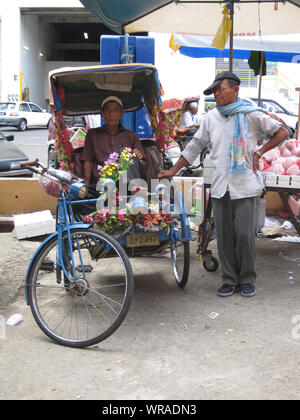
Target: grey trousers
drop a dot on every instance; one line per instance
(235, 226)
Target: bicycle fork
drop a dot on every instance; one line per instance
(65, 257)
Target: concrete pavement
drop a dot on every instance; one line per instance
(174, 344)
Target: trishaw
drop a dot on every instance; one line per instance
(79, 283)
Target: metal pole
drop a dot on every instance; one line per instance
(298, 128)
(231, 36)
(21, 86)
(126, 48)
(262, 56)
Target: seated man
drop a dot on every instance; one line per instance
(112, 137)
(190, 118)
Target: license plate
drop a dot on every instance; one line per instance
(142, 239)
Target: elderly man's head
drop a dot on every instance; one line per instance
(225, 88)
(112, 110)
(193, 107)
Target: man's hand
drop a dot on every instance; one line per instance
(138, 154)
(280, 135)
(256, 158)
(173, 171)
(166, 173)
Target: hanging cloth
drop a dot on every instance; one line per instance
(254, 63)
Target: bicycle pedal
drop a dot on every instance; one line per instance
(86, 268)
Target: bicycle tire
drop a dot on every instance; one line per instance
(180, 258)
(211, 264)
(88, 311)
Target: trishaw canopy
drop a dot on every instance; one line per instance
(81, 90)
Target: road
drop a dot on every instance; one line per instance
(174, 344)
(33, 142)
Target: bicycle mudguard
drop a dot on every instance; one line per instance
(37, 252)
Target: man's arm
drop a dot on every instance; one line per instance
(274, 141)
(173, 171)
(87, 171)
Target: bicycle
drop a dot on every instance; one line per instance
(79, 283)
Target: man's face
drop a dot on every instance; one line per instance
(225, 94)
(112, 113)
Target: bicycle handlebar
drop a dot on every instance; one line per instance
(29, 163)
(39, 168)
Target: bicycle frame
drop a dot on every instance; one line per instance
(63, 224)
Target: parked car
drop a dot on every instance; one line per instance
(73, 123)
(23, 115)
(10, 157)
(269, 105)
(278, 109)
(210, 103)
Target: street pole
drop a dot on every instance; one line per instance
(231, 36)
(21, 88)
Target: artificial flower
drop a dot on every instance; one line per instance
(151, 219)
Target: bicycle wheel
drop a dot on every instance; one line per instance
(211, 263)
(180, 257)
(89, 309)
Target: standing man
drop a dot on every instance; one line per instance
(233, 129)
(112, 137)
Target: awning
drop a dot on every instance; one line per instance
(201, 17)
(279, 48)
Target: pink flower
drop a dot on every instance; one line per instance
(121, 214)
(88, 219)
(101, 216)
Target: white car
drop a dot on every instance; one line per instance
(270, 105)
(23, 114)
(288, 116)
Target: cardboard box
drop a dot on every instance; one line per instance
(295, 181)
(273, 180)
(283, 181)
(34, 224)
(274, 203)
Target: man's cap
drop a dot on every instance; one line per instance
(221, 76)
(112, 98)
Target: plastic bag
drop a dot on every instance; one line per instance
(14, 320)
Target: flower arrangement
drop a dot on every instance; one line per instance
(124, 219)
(63, 148)
(164, 123)
(116, 163)
(166, 118)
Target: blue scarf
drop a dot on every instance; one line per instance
(237, 146)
